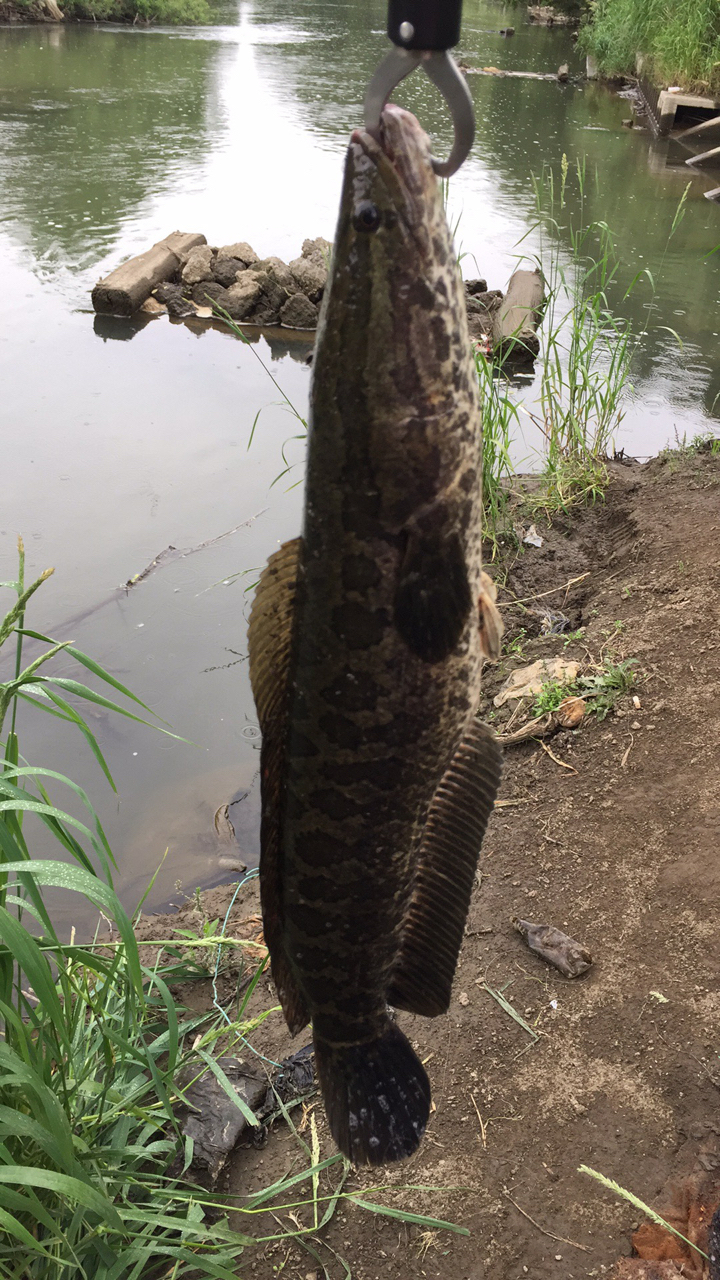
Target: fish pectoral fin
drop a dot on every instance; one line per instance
(457, 818)
(269, 646)
(432, 600)
(491, 623)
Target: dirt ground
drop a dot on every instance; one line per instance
(620, 850)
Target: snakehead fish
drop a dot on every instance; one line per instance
(366, 639)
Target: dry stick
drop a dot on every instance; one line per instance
(557, 759)
(530, 730)
(541, 595)
(550, 1234)
(624, 760)
(483, 1126)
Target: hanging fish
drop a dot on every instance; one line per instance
(366, 644)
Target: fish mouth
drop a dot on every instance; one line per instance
(400, 149)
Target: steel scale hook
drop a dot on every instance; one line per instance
(422, 31)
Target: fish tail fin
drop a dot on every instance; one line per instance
(376, 1095)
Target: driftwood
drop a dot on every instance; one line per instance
(711, 157)
(516, 75)
(125, 289)
(515, 322)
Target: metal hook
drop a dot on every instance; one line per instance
(444, 73)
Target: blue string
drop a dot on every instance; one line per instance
(216, 1001)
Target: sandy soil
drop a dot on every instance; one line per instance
(620, 850)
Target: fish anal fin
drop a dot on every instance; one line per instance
(432, 599)
(270, 646)
(458, 816)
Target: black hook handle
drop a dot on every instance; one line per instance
(424, 24)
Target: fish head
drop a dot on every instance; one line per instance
(393, 345)
(392, 206)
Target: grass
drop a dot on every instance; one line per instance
(703, 442)
(499, 415)
(602, 688)
(637, 1203)
(95, 1053)
(680, 41)
(587, 350)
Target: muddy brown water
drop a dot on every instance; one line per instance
(121, 440)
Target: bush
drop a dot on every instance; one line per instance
(173, 12)
(680, 41)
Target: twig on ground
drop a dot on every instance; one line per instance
(550, 1234)
(483, 1125)
(507, 604)
(542, 724)
(506, 804)
(557, 759)
(624, 760)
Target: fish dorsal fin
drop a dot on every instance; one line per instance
(456, 822)
(269, 645)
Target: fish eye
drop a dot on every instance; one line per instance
(367, 216)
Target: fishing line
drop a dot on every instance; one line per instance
(251, 875)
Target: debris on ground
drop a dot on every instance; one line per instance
(216, 1121)
(567, 955)
(552, 621)
(527, 682)
(571, 712)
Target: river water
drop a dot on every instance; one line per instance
(119, 441)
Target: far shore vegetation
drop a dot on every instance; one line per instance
(140, 12)
(678, 41)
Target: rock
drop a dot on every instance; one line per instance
(507, 31)
(208, 292)
(226, 270)
(309, 277)
(299, 313)
(275, 294)
(265, 314)
(318, 251)
(241, 249)
(476, 286)
(198, 266)
(243, 296)
(563, 74)
(172, 297)
(279, 272)
(481, 309)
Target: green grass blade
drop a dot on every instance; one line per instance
(49, 1180)
(402, 1216)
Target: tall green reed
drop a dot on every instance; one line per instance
(96, 1055)
(587, 348)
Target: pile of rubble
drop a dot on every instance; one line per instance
(263, 291)
(185, 277)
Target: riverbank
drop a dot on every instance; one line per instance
(608, 832)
